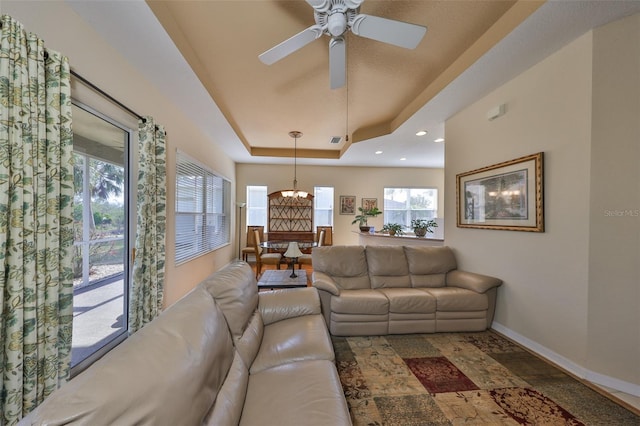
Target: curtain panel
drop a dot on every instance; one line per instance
(147, 285)
(36, 226)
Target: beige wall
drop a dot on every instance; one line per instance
(570, 293)
(91, 57)
(358, 181)
(614, 246)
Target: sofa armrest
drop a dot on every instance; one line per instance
(322, 281)
(278, 305)
(472, 281)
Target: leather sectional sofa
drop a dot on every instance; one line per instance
(379, 290)
(222, 355)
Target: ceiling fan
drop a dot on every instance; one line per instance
(334, 18)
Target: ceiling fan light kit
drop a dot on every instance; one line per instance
(334, 18)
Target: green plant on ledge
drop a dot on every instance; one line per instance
(393, 229)
(361, 219)
(422, 226)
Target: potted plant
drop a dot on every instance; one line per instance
(361, 219)
(393, 229)
(422, 226)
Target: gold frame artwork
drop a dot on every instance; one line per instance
(347, 204)
(507, 196)
(369, 203)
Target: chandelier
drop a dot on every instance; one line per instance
(295, 193)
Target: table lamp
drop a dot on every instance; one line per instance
(293, 252)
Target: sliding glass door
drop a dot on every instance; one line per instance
(101, 233)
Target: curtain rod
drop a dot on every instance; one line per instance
(106, 95)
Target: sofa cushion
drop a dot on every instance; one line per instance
(235, 290)
(387, 266)
(409, 300)
(456, 299)
(295, 339)
(347, 265)
(277, 305)
(301, 393)
(228, 406)
(360, 302)
(429, 265)
(186, 351)
(249, 343)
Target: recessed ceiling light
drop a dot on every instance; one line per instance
(403, 159)
(421, 133)
(439, 140)
(378, 152)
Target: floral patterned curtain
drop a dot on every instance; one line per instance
(147, 286)
(36, 234)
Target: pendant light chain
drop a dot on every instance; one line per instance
(295, 193)
(295, 162)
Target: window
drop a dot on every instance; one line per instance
(256, 205)
(202, 209)
(323, 205)
(402, 205)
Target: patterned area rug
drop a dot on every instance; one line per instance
(470, 378)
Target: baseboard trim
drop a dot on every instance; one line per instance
(568, 365)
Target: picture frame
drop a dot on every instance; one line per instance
(369, 203)
(505, 196)
(347, 204)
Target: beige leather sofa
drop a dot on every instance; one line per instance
(222, 355)
(378, 290)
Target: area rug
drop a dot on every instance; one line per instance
(463, 378)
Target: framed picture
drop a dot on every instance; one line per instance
(506, 196)
(369, 203)
(347, 204)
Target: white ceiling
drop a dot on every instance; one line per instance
(132, 29)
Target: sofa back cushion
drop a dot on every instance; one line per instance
(227, 409)
(387, 267)
(235, 290)
(168, 372)
(429, 265)
(347, 265)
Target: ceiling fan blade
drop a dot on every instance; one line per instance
(398, 33)
(337, 62)
(325, 5)
(291, 45)
(320, 5)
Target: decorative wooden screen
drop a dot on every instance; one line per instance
(290, 214)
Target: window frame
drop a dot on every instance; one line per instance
(410, 213)
(316, 198)
(258, 210)
(209, 194)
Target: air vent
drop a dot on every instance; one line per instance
(335, 139)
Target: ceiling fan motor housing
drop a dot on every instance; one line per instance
(337, 24)
(338, 18)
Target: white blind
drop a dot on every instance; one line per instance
(402, 205)
(256, 205)
(323, 205)
(202, 209)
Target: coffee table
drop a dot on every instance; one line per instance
(274, 278)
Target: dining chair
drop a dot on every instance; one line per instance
(250, 249)
(305, 259)
(263, 258)
(328, 234)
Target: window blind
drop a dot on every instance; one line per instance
(202, 209)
